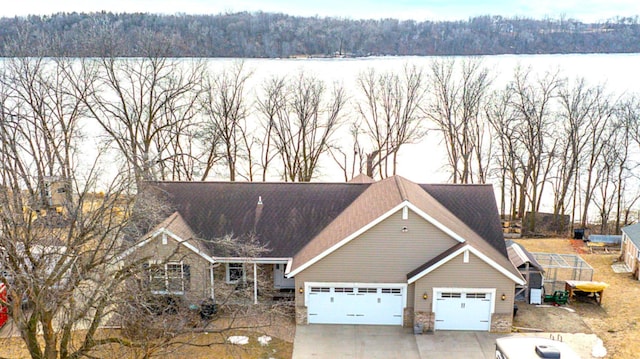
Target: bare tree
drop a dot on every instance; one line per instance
(225, 107)
(269, 104)
(599, 132)
(531, 101)
(577, 104)
(140, 103)
(59, 236)
(455, 109)
(627, 115)
(303, 124)
(500, 116)
(390, 113)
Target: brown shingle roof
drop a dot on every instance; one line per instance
(378, 199)
(475, 205)
(384, 195)
(178, 226)
(302, 220)
(175, 224)
(290, 215)
(435, 260)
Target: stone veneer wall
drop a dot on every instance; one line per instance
(427, 319)
(407, 318)
(501, 322)
(301, 315)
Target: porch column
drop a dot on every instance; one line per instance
(255, 283)
(211, 269)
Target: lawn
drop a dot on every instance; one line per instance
(201, 345)
(616, 321)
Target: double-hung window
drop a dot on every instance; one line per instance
(169, 278)
(235, 272)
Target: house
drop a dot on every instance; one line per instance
(530, 269)
(630, 248)
(391, 252)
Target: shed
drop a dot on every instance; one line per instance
(630, 248)
(528, 266)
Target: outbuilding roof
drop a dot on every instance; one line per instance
(633, 232)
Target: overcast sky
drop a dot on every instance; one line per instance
(585, 10)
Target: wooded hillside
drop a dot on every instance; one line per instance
(278, 35)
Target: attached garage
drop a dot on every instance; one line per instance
(463, 309)
(349, 303)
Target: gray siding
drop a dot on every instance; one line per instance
(457, 274)
(383, 254)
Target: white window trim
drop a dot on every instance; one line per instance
(166, 277)
(228, 276)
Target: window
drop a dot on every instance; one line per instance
(320, 290)
(235, 272)
(450, 295)
(367, 290)
(391, 291)
(172, 277)
(343, 290)
(476, 295)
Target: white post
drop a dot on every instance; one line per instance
(211, 269)
(255, 283)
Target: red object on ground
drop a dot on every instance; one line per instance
(3, 310)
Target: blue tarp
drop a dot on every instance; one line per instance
(605, 238)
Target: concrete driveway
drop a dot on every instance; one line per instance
(363, 341)
(454, 344)
(354, 341)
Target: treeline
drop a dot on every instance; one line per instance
(544, 139)
(268, 35)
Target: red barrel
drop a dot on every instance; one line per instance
(3, 310)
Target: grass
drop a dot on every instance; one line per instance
(198, 345)
(616, 322)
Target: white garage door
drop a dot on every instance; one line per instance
(355, 304)
(463, 310)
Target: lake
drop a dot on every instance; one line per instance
(423, 162)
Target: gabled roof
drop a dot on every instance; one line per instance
(435, 260)
(386, 197)
(362, 178)
(289, 216)
(454, 252)
(175, 227)
(305, 221)
(473, 204)
(175, 224)
(633, 232)
(519, 256)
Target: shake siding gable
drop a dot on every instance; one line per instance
(458, 274)
(383, 254)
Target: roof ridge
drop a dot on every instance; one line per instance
(401, 188)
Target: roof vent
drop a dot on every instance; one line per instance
(259, 199)
(547, 352)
